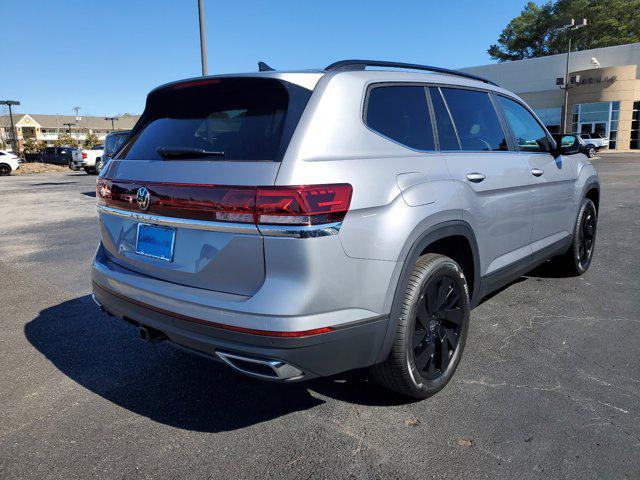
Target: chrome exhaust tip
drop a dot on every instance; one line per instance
(261, 368)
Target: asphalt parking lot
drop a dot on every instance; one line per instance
(549, 385)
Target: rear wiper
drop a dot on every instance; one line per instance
(169, 153)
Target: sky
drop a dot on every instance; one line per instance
(105, 56)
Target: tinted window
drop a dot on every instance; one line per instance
(402, 114)
(475, 119)
(113, 142)
(528, 133)
(244, 118)
(446, 133)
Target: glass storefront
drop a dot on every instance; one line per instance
(597, 118)
(635, 127)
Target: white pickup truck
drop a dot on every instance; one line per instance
(87, 160)
(595, 139)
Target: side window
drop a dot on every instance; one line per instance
(401, 114)
(475, 119)
(446, 132)
(529, 135)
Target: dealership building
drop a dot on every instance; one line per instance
(603, 90)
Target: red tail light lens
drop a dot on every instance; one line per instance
(306, 205)
(84, 155)
(299, 205)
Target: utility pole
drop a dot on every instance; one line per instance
(569, 28)
(9, 103)
(112, 120)
(203, 40)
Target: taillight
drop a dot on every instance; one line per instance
(306, 205)
(84, 155)
(298, 205)
(220, 204)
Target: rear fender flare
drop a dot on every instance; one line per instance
(433, 234)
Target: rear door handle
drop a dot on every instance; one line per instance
(536, 172)
(475, 177)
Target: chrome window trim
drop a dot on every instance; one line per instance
(292, 231)
(230, 227)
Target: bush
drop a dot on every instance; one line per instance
(31, 145)
(66, 140)
(91, 141)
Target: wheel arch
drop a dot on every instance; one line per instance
(454, 238)
(592, 192)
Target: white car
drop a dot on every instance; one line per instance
(87, 160)
(595, 139)
(8, 162)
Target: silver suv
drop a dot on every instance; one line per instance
(300, 224)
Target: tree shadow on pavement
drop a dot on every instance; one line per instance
(171, 386)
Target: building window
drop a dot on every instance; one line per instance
(599, 118)
(635, 126)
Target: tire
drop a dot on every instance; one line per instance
(591, 152)
(577, 259)
(428, 312)
(90, 170)
(5, 169)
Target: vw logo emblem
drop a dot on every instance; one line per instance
(143, 198)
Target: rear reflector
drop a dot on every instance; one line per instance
(272, 333)
(84, 155)
(297, 205)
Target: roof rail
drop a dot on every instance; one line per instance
(362, 64)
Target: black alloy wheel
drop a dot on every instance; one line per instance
(4, 169)
(586, 236)
(438, 324)
(431, 327)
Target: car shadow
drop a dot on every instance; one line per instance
(50, 184)
(169, 385)
(89, 194)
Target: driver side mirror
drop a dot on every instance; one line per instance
(567, 145)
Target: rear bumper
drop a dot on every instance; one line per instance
(347, 347)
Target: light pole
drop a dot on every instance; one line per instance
(69, 125)
(113, 119)
(9, 103)
(569, 27)
(203, 40)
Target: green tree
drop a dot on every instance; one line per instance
(31, 145)
(66, 140)
(535, 31)
(91, 140)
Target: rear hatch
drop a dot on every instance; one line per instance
(175, 203)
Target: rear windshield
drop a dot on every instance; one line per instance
(113, 142)
(239, 118)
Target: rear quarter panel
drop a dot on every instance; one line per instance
(333, 145)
